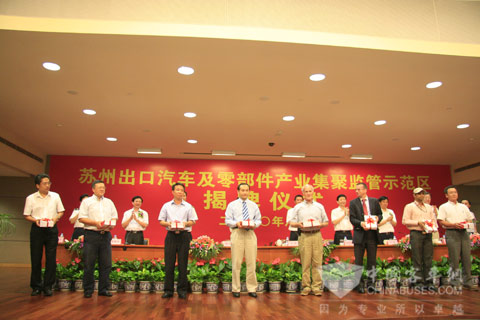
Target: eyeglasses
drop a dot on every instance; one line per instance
(46, 183)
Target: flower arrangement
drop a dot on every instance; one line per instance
(404, 244)
(75, 246)
(204, 248)
(475, 241)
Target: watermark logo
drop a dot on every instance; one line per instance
(340, 278)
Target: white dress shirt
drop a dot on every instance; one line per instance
(387, 227)
(75, 213)
(454, 212)
(234, 214)
(289, 217)
(43, 207)
(97, 209)
(183, 212)
(306, 211)
(134, 225)
(344, 224)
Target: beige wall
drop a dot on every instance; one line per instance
(15, 248)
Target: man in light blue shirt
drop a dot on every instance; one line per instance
(243, 217)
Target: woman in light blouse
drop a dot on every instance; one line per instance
(389, 221)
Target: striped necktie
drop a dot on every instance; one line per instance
(245, 211)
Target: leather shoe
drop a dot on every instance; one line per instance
(167, 295)
(236, 294)
(87, 295)
(252, 294)
(182, 295)
(36, 292)
(47, 292)
(105, 294)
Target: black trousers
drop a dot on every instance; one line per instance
(385, 236)
(294, 235)
(97, 245)
(176, 243)
(370, 244)
(39, 238)
(422, 256)
(340, 235)
(134, 237)
(77, 232)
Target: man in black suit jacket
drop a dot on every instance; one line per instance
(363, 238)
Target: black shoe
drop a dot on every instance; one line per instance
(105, 294)
(252, 294)
(167, 295)
(236, 294)
(182, 295)
(87, 295)
(36, 292)
(47, 292)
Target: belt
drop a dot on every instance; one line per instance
(242, 229)
(313, 231)
(343, 231)
(178, 232)
(136, 231)
(98, 231)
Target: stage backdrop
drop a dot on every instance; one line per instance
(211, 185)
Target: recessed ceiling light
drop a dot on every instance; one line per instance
(434, 84)
(317, 77)
(51, 66)
(361, 157)
(415, 148)
(112, 139)
(90, 112)
(190, 114)
(463, 126)
(346, 146)
(222, 153)
(149, 151)
(288, 118)
(193, 141)
(186, 70)
(380, 122)
(293, 155)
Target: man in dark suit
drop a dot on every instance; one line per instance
(363, 238)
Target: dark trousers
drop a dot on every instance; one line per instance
(422, 256)
(97, 245)
(134, 237)
(77, 232)
(458, 244)
(293, 235)
(39, 238)
(176, 243)
(385, 236)
(370, 244)
(341, 235)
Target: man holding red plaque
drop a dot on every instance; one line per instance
(243, 217)
(310, 217)
(365, 214)
(178, 216)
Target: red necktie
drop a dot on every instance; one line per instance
(365, 210)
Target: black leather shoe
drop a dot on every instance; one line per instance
(236, 294)
(105, 294)
(87, 295)
(36, 292)
(167, 295)
(252, 294)
(47, 292)
(182, 295)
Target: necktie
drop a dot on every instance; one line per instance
(365, 210)
(245, 211)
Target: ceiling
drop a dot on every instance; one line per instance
(240, 91)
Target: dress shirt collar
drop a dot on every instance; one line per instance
(452, 203)
(173, 202)
(39, 195)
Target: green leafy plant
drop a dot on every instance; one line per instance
(144, 275)
(115, 275)
(63, 272)
(273, 274)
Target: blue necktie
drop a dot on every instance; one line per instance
(245, 211)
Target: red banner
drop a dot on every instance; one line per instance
(211, 185)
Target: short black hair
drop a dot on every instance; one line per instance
(137, 197)
(297, 196)
(382, 198)
(243, 184)
(469, 202)
(178, 184)
(96, 182)
(40, 176)
(449, 187)
(341, 195)
(363, 184)
(85, 195)
(426, 192)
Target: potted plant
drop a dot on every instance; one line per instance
(291, 276)
(64, 277)
(129, 279)
(261, 279)
(392, 274)
(78, 280)
(144, 277)
(115, 277)
(274, 277)
(380, 273)
(158, 278)
(225, 269)
(196, 275)
(475, 270)
(204, 248)
(212, 277)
